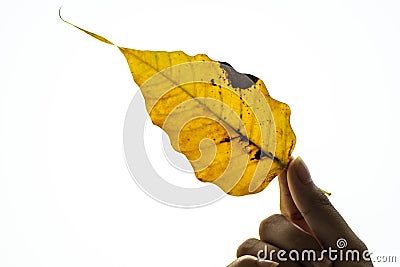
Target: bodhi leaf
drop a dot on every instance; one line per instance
(225, 122)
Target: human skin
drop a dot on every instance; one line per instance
(308, 221)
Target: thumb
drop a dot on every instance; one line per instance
(324, 220)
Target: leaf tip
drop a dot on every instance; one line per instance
(96, 36)
(59, 15)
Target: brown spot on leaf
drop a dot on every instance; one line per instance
(237, 79)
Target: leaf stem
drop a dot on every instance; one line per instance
(325, 192)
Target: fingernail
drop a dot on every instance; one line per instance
(264, 263)
(302, 171)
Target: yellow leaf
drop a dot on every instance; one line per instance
(226, 124)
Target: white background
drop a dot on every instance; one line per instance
(66, 196)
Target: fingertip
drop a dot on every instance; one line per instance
(301, 184)
(244, 261)
(246, 247)
(266, 263)
(301, 170)
(299, 181)
(272, 222)
(251, 261)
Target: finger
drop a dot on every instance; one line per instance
(287, 205)
(325, 222)
(280, 232)
(254, 247)
(251, 261)
(263, 250)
